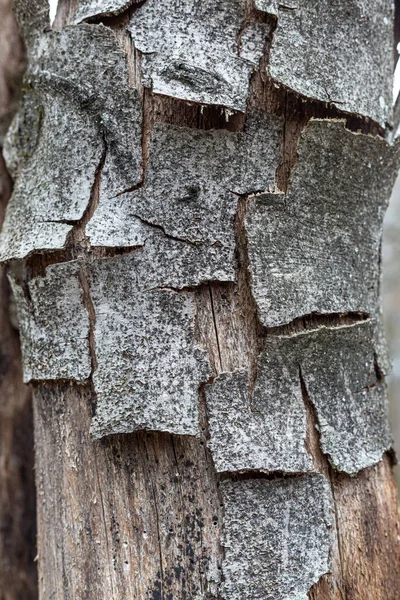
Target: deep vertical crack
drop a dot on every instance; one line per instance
(320, 462)
(159, 541)
(215, 326)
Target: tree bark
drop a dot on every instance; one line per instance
(199, 194)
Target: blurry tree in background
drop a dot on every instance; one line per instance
(391, 307)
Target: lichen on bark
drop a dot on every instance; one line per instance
(262, 429)
(316, 248)
(187, 246)
(54, 325)
(190, 51)
(67, 98)
(276, 537)
(149, 367)
(190, 192)
(335, 52)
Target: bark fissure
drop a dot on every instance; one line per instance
(321, 464)
(215, 327)
(316, 321)
(79, 231)
(246, 295)
(313, 439)
(110, 562)
(88, 304)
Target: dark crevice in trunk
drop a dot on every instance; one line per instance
(315, 321)
(257, 474)
(215, 327)
(313, 437)
(253, 323)
(183, 113)
(322, 465)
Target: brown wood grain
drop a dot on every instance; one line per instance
(131, 516)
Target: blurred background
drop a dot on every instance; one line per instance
(391, 308)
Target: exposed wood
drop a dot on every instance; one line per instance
(133, 516)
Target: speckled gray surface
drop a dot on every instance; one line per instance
(316, 248)
(269, 6)
(95, 8)
(191, 191)
(178, 264)
(66, 92)
(56, 175)
(337, 366)
(339, 52)
(339, 374)
(149, 367)
(276, 537)
(54, 325)
(266, 432)
(190, 50)
(33, 19)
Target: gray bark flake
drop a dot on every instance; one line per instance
(266, 431)
(149, 367)
(54, 325)
(336, 52)
(276, 537)
(316, 248)
(95, 8)
(33, 18)
(189, 50)
(190, 192)
(54, 183)
(67, 93)
(337, 366)
(269, 6)
(339, 373)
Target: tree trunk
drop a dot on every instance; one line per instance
(194, 241)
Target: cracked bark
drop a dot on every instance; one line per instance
(208, 383)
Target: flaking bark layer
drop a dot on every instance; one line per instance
(336, 52)
(54, 325)
(316, 248)
(276, 537)
(149, 367)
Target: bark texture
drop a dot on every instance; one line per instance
(194, 237)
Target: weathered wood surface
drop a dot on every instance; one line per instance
(132, 516)
(228, 294)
